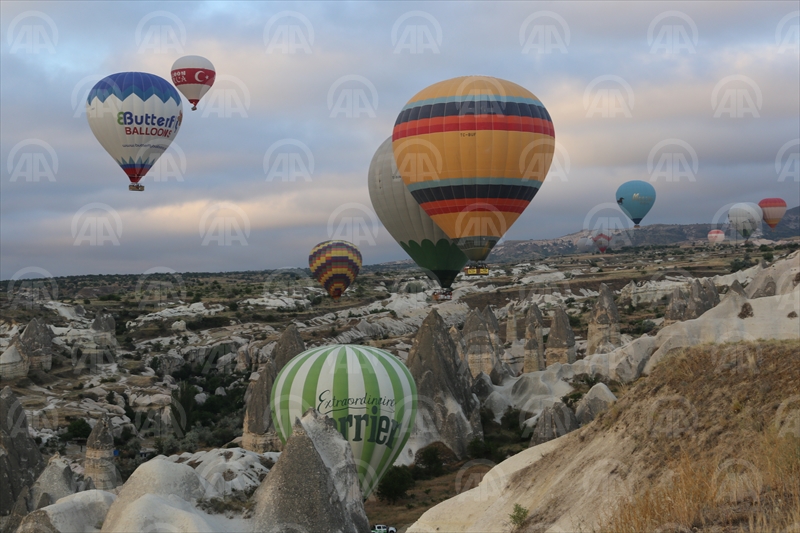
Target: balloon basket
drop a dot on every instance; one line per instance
(479, 269)
(443, 295)
(135, 187)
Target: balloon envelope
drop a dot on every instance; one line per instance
(773, 209)
(335, 264)
(193, 76)
(473, 151)
(601, 240)
(135, 116)
(368, 393)
(716, 236)
(745, 218)
(635, 198)
(408, 224)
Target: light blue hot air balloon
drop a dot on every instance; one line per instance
(635, 198)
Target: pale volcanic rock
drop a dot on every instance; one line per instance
(598, 400)
(604, 335)
(561, 339)
(534, 342)
(20, 460)
(99, 464)
(259, 434)
(289, 345)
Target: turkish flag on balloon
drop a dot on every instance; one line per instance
(193, 76)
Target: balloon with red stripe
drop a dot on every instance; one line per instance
(335, 264)
(473, 152)
(601, 240)
(193, 76)
(773, 209)
(716, 236)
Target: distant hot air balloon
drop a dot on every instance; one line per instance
(635, 198)
(135, 116)
(335, 264)
(193, 76)
(408, 224)
(473, 151)
(773, 209)
(716, 236)
(368, 393)
(601, 239)
(745, 218)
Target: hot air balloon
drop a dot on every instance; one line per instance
(367, 392)
(193, 76)
(601, 239)
(745, 218)
(635, 198)
(716, 236)
(773, 209)
(335, 264)
(473, 151)
(135, 116)
(408, 224)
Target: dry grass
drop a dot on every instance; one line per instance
(734, 472)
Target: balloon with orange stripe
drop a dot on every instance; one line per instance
(773, 209)
(473, 151)
(335, 264)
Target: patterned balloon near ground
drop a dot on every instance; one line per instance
(408, 224)
(773, 210)
(135, 116)
(335, 264)
(473, 151)
(368, 393)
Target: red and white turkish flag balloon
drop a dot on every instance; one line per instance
(193, 76)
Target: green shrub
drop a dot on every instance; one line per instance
(518, 516)
(395, 484)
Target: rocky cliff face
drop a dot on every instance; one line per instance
(447, 411)
(289, 345)
(534, 342)
(479, 350)
(604, 333)
(20, 460)
(560, 340)
(259, 433)
(99, 463)
(36, 342)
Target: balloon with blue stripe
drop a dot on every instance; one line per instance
(135, 117)
(635, 198)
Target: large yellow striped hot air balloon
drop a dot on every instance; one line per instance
(473, 151)
(335, 264)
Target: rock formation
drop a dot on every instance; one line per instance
(449, 414)
(554, 422)
(598, 400)
(511, 325)
(289, 344)
(82, 511)
(54, 483)
(603, 324)
(493, 326)
(12, 364)
(676, 307)
(20, 460)
(259, 433)
(699, 300)
(314, 485)
(100, 456)
(479, 350)
(36, 343)
(560, 340)
(736, 288)
(534, 342)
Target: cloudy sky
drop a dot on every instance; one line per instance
(699, 98)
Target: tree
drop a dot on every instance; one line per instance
(395, 483)
(432, 462)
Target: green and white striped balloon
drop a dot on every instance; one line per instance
(368, 393)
